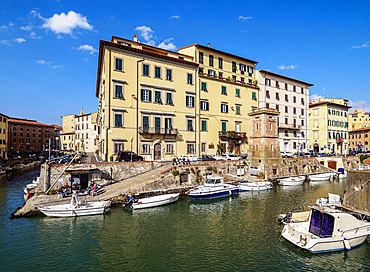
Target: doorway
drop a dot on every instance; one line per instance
(157, 152)
(316, 148)
(332, 165)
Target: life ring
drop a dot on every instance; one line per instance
(28, 196)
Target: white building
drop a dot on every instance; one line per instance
(291, 98)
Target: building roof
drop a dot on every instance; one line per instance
(30, 122)
(329, 103)
(134, 50)
(218, 51)
(286, 77)
(360, 129)
(66, 133)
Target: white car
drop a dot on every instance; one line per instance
(232, 157)
(286, 153)
(219, 158)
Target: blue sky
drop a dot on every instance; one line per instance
(49, 49)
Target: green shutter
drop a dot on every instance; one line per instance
(207, 105)
(150, 95)
(204, 125)
(238, 92)
(254, 96)
(192, 101)
(223, 126)
(142, 95)
(227, 108)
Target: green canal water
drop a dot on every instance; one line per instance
(238, 233)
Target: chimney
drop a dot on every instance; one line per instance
(208, 45)
(135, 38)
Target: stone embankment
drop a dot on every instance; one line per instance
(117, 180)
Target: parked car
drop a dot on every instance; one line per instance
(244, 156)
(127, 155)
(286, 154)
(219, 158)
(232, 157)
(207, 158)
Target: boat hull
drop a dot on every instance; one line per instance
(254, 186)
(292, 181)
(155, 201)
(320, 177)
(204, 194)
(67, 211)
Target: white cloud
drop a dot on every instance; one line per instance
(5, 27)
(87, 47)
(367, 44)
(145, 32)
(169, 46)
(359, 105)
(42, 62)
(57, 66)
(315, 97)
(19, 40)
(242, 18)
(7, 42)
(175, 17)
(66, 23)
(27, 28)
(33, 36)
(290, 67)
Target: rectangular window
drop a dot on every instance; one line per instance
(146, 95)
(267, 81)
(277, 84)
(169, 148)
(254, 96)
(201, 70)
(302, 90)
(190, 79)
(169, 74)
(237, 93)
(169, 100)
(204, 125)
(294, 88)
(286, 109)
(302, 123)
(146, 69)
(223, 90)
(211, 60)
(118, 120)
(294, 99)
(118, 64)
(267, 94)
(145, 123)
(224, 108)
(190, 148)
(277, 96)
(118, 91)
(237, 109)
(237, 127)
(223, 126)
(145, 149)
(204, 86)
(204, 105)
(190, 125)
(277, 107)
(157, 72)
(302, 111)
(157, 97)
(220, 63)
(204, 147)
(286, 98)
(234, 78)
(286, 121)
(234, 67)
(250, 70)
(118, 147)
(268, 105)
(190, 101)
(201, 57)
(294, 110)
(220, 75)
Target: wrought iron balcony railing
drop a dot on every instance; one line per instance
(155, 130)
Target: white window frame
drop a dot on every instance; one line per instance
(142, 119)
(171, 97)
(192, 78)
(192, 124)
(224, 108)
(238, 127)
(115, 64)
(147, 96)
(145, 148)
(160, 91)
(142, 73)
(160, 71)
(114, 119)
(114, 87)
(169, 148)
(171, 79)
(118, 146)
(204, 103)
(190, 101)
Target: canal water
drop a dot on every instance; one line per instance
(237, 233)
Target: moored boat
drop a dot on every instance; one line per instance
(292, 181)
(214, 187)
(331, 200)
(341, 173)
(76, 208)
(327, 230)
(320, 177)
(254, 186)
(154, 201)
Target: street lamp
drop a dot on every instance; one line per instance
(131, 138)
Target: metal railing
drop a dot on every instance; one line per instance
(155, 130)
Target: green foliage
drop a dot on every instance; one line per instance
(175, 173)
(209, 168)
(52, 192)
(245, 163)
(363, 157)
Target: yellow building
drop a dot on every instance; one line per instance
(68, 132)
(329, 126)
(3, 136)
(228, 91)
(147, 100)
(358, 119)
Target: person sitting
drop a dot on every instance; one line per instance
(60, 192)
(76, 186)
(66, 189)
(91, 187)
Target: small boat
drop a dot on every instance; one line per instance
(331, 200)
(214, 187)
(254, 186)
(292, 181)
(34, 183)
(321, 177)
(76, 208)
(327, 230)
(155, 201)
(342, 173)
(294, 217)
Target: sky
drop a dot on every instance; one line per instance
(49, 49)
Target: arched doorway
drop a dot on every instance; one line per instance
(157, 151)
(316, 148)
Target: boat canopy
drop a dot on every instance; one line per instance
(215, 180)
(321, 224)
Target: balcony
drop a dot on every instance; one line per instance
(229, 79)
(154, 130)
(289, 126)
(226, 135)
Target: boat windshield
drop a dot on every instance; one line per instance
(321, 224)
(213, 181)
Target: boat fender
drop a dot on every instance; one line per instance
(230, 193)
(346, 244)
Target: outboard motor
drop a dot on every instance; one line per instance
(288, 217)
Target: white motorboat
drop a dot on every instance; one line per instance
(212, 188)
(341, 173)
(331, 200)
(33, 184)
(254, 186)
(321, 177)
(76, 208)
(327, 230)
(292, 181)
(155, 201)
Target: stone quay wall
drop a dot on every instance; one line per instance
(357, 193)
(102, 173)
